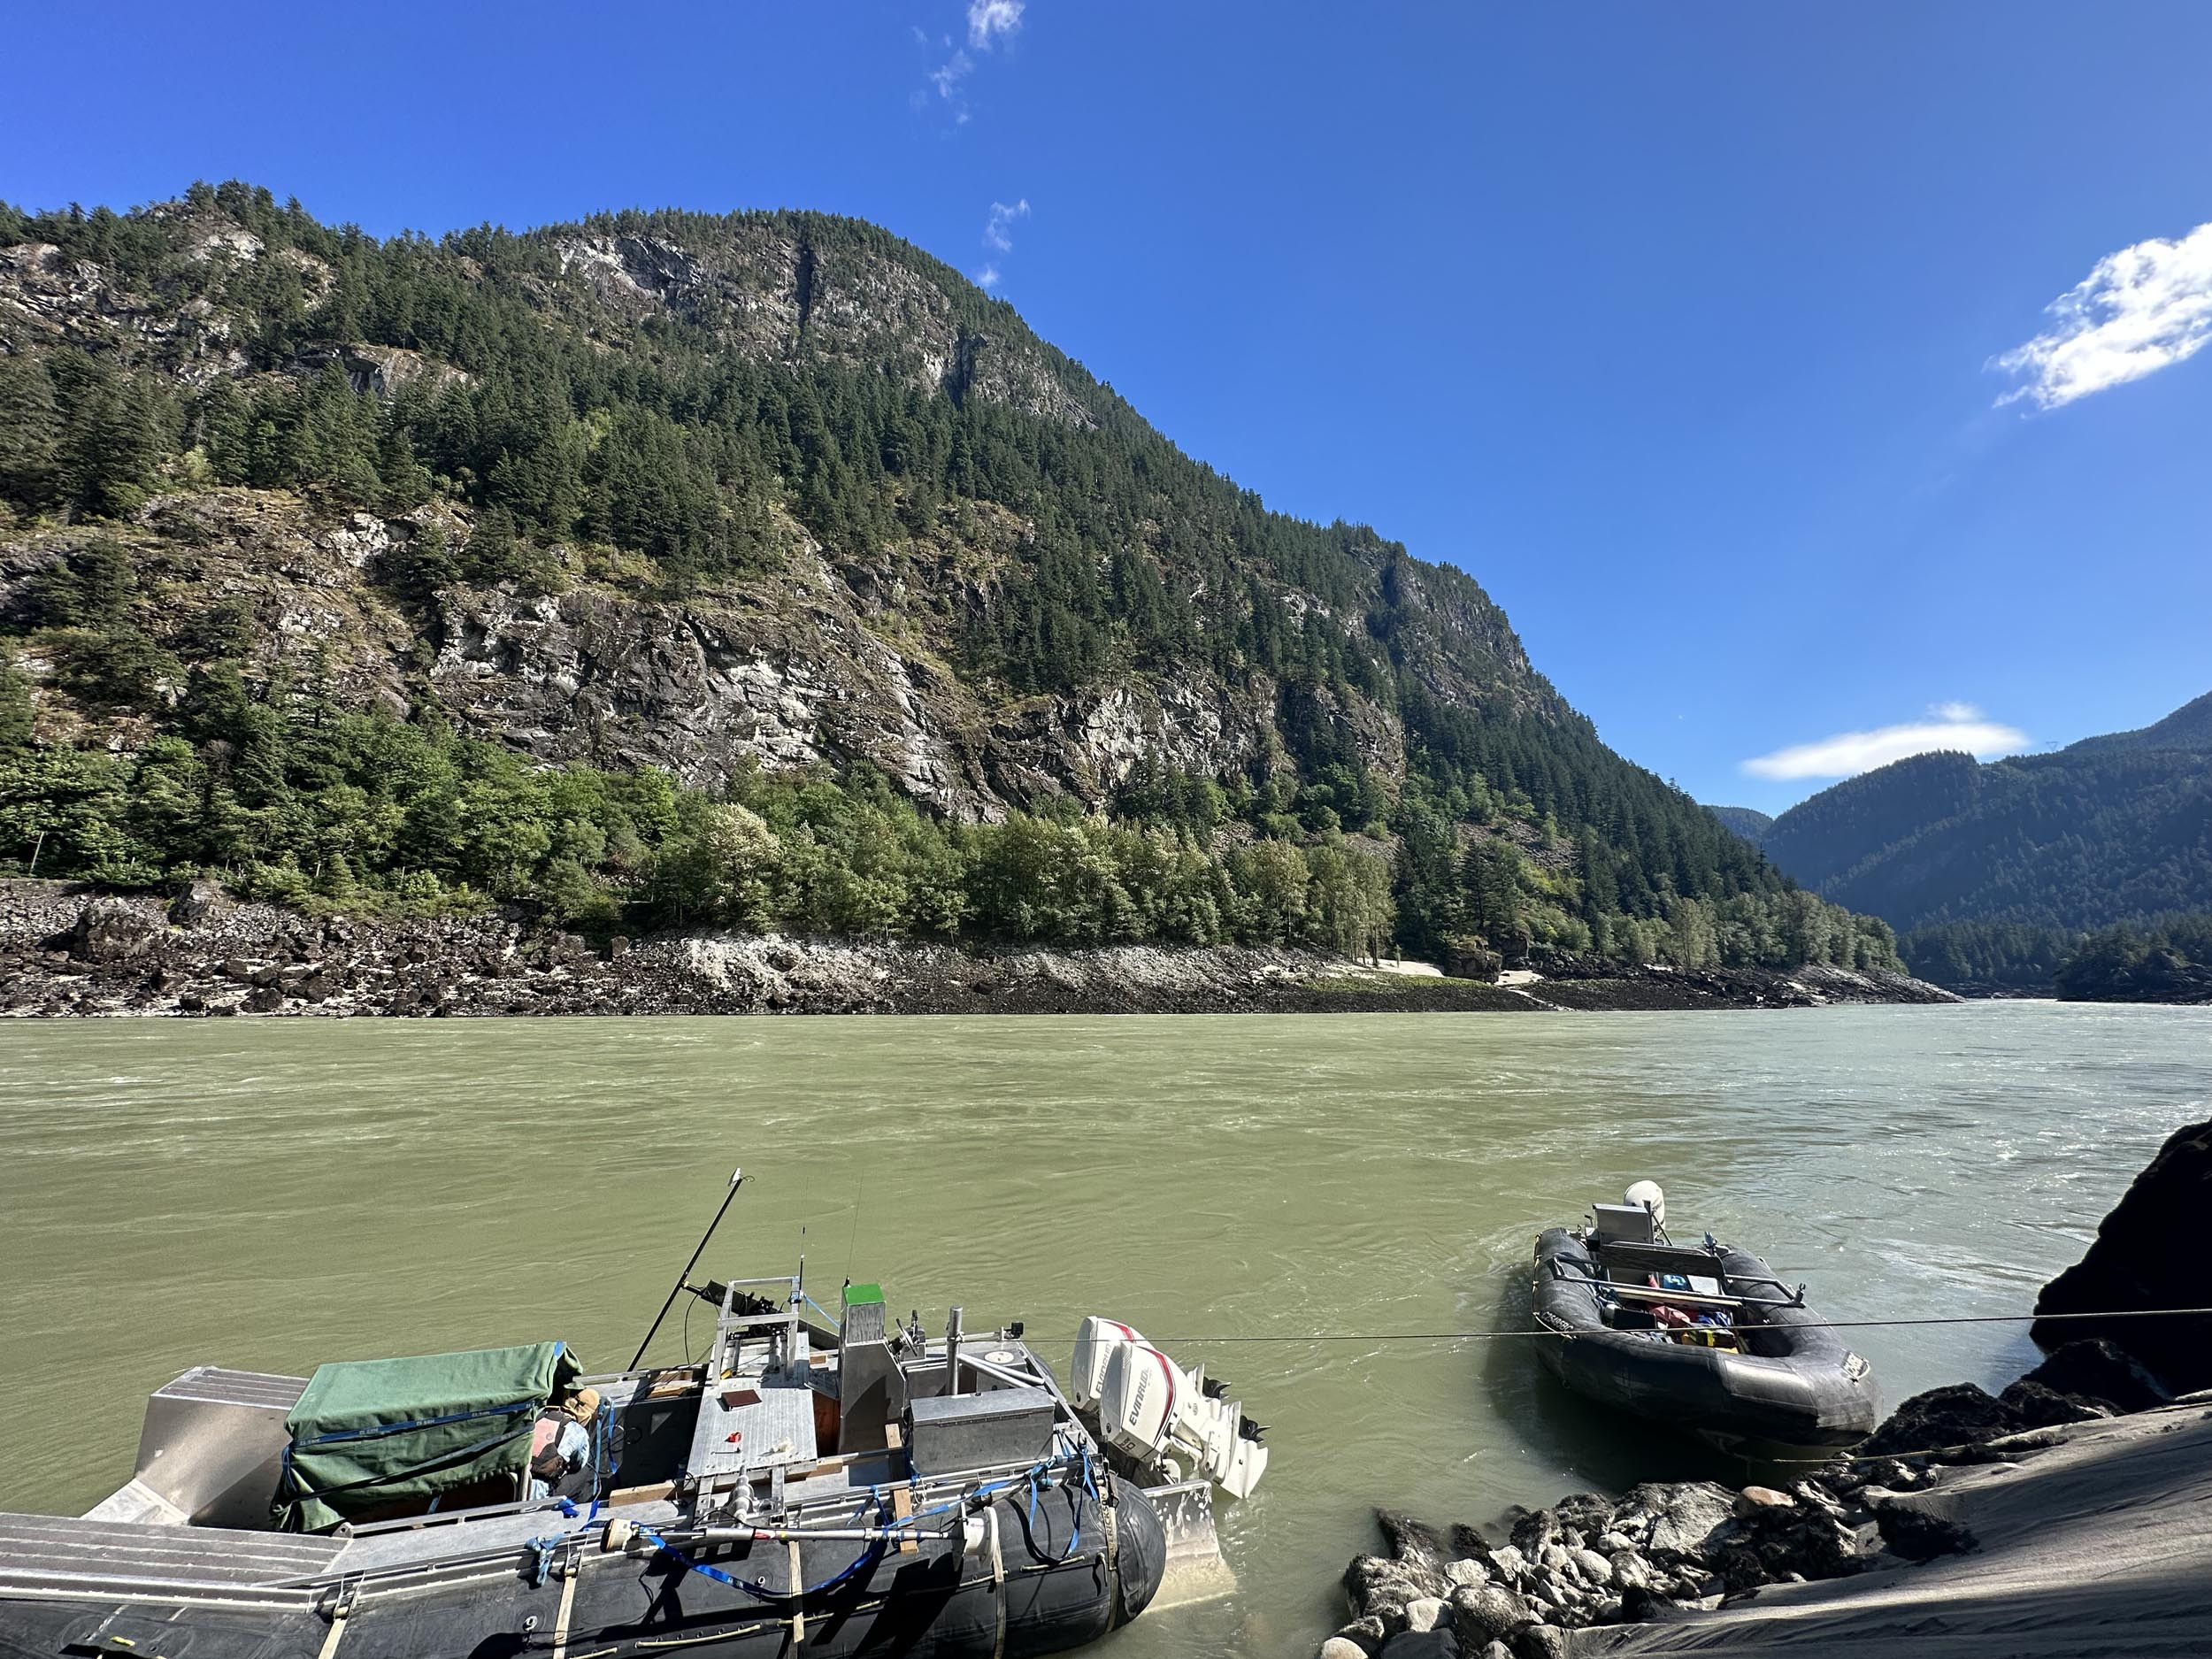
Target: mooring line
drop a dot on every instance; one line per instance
(1825, 1325)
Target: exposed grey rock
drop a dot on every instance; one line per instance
(1383, 1589)
(1595, 1568)
(1541, 1641)
(1468, 1543)
(113, 930)
(1413, 1541)
(199, 899)
(1685, 1516)
(1342, 1647)
(1424, 1613)
(1508, 1564)
(1366, 1634)
(1483, 1611)
(1533, 1530)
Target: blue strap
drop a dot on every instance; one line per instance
(542, 1549)
(864, 1561)
(1075, 1508)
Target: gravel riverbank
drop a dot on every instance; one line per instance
(67, 950)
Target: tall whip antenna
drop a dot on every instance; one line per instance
(737, 1180)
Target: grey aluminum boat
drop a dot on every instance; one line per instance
(806, 1488)
(1705, 1339)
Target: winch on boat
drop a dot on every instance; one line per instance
(1704, 1339)
(808, 1487)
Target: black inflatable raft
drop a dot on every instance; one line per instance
(1705, 1339)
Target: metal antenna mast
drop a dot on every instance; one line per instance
(737, 1180)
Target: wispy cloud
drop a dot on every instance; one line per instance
(2136, 312)
(1957, 725)
(987, 278)
(997, 233)
(947, 78)
(989, 18)
(989, 22)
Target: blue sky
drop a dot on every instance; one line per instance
(1674, 324)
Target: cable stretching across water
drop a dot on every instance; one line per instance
(1829, 1325)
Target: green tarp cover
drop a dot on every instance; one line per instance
(386, 1435)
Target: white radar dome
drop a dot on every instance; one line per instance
(1647, 1196)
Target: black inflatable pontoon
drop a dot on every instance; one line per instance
(1705, 1339)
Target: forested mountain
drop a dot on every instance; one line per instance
(756, 570)
(1996, 873)
(1747, 822)
(2189, 727)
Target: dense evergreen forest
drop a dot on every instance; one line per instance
(539, 437)
(1995, 874)
(2169, 962)
(1745, 821)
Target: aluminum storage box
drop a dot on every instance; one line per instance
(1001, 1426)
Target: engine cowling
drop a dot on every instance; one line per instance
(1150, 1408)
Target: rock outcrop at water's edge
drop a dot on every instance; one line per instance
(2136, 1262)
(67, 950)
(2069, 1515)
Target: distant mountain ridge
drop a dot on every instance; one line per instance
(1747, 822)
(2189, 727)
(1995, 871)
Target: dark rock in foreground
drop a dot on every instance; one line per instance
(2098, 1369)
(2139, 1260)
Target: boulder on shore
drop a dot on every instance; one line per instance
(2098, 1369)
(1960, 1413)
(112, 929)
(2133, 1264)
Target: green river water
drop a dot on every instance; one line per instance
(273, 1193)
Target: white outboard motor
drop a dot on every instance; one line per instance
(1150, 1408)
(1647, 1196)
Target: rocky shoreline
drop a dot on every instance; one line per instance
(1967, 1524)
(68, 949)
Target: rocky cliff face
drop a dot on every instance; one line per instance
(821, 661)
(770, 289)
(829, 653)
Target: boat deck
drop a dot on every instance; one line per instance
(55, 1551)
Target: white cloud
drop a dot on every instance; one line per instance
(1955, 726)
(997, 233)
(987, 278)
(987, 18)
(2136, 312)
(947, 79)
